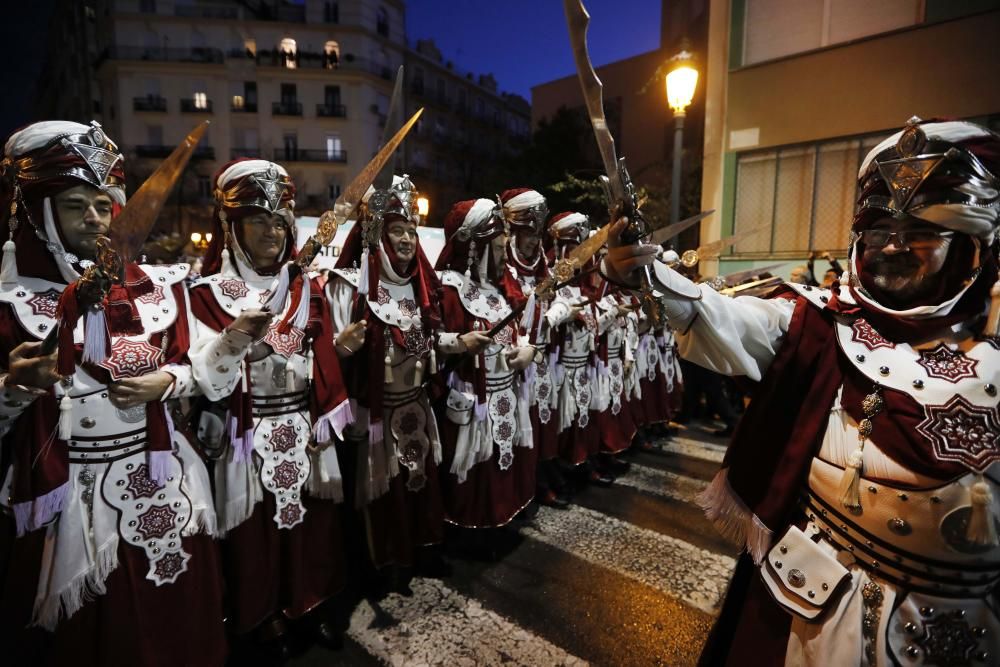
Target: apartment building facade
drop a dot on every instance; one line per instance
(304, 83)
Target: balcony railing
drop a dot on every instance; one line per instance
(160, 54)
(309, 155)
(149, 103)
(243, 152)
(331, 110)
(246, 107)
(286, 108)
(189, 105)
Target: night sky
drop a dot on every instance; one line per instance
(524, 42)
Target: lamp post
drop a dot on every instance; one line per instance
(199, 242)
(681, 81)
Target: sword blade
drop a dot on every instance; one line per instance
(132, 226)
(714, 248)
(663, 235)
(577, 19)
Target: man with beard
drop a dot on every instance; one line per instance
(862, 479)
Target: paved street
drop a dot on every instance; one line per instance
(630, 575)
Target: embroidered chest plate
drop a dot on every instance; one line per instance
(395, 305)
(954, 381)
(480, 300)
(234, 295)
(34, 303)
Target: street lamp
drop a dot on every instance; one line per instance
(423, 208)
(198, 242)
(681, 81)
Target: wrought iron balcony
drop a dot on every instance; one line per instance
(149, 103)
(161, 54)
(309, 155)
(286, 109)
(243, 152)
(190, 105)
(246, 107)
(331, 110)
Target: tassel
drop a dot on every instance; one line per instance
(363, 274)
(244, 384)
(981, 529)
(484, 265)
(850, 485)
(227, 264)
(502, 366)
(65, 418)
(992, 320)
(472, 258)
(389, 379)
(289, 376)
(528, 318)
(418, 373)
(433, 359)
(95, 336)
(8, 272)
(477, 362)
(309, 365)
(276, 302)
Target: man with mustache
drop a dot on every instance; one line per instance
(862, 480)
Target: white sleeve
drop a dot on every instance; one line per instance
(730, 336)
(557, 313)
(607, 313)
(13, 402)
(216, 359)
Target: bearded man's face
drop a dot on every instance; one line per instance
(903, 259)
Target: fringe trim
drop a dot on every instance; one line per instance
(276, 302)
(159, 465)
(81, 589)
(35, 513)
(375, 433)
(528, 317)
(242, 445)
(733, 519)
(326, 481)
(363, 273)
(335, 419)
(95, 340)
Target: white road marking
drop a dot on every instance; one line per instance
(438, 626)
(696, 449)
(662, 483)
(696, 576)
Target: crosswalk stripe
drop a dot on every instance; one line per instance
(695, 449)
(696, 576)
(438, 626)
(662, 483)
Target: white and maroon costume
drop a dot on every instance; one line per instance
(392, 450)
(525, 212)
(276, 493)
(575, 343)
(112, 506)
(617, 379)
(488, 445)
(863, 478)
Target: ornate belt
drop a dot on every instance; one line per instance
(394, 399)
(499, 383)
(106, 449)
(279, 404)
(573, 362)
(903, 568)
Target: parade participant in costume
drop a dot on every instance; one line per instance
(278, 481)
(618, 338)
(526, 213)
(386, 313)
(574, 315)
(488, 444)
(862, 480)
(111, 505)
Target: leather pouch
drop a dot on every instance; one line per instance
(458, 407)
(801, 575)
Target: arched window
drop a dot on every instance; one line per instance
(382, 22)
(331, 55)
(288, 53)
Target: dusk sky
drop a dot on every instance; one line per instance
(524, 42)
